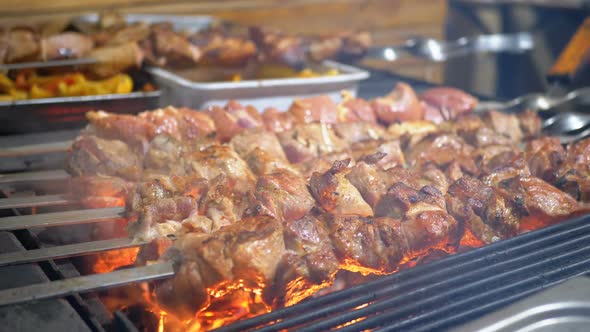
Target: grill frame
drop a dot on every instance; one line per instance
(420, 281)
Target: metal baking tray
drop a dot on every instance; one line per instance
(48, 114)
(565, 307)
(278, 93)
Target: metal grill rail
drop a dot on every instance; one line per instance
(447, 292)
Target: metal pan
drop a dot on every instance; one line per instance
(279, 93)
(565, 307)
(180, 91)
(49, 114)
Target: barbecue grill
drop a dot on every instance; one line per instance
(432, 296)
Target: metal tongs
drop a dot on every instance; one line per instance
(441, 50)
(538, 102)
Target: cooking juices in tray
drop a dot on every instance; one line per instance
(260, 211)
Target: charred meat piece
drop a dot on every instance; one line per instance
(22, 44)
(355, 132)
(356, 43)
(504, 124)
(486, 213)
(223, 50)
(180, 123)
(91, 155)
(325, 47)
(135, 32)
(247, 252)
(309, 141)
(277, 47)
(162, 204)
(226, 200)
(262, 162)
(373, 182)
(574, 175)
(530, 123)
(282, 195)
(401, 104)
(111, 60)
(544, 156)
(538, 197)
(166, 155)
(441, 150)
(353, 109)
(422, 218)
(365, 244)
(234, 118)
(385, 154)
(133, 130)
(66, 45)
(430, 175)
(503, 164)
(174, 47)
(309, 263)
(314, 109)
(162, 218)
(309, 238)
(450, 102)
(257, 138)
(221, 160)
(277, 121)
(335, 194)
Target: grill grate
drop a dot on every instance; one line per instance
(447, 292)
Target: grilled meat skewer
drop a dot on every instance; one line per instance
(279, 202)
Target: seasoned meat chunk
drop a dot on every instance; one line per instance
(320, 109)
(483, 210)
(335, 194)
(91, 155)
(306, 142)
(544, 156)
(282, 195)
(401, 104)
(365, 244)
(257, 138)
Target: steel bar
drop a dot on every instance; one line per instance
(51, 175)
(34, 201)
(47, 64)
(60, 218)
(85, 284)
(70, 250)
(33, 149)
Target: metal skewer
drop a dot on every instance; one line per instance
(70, 250)
(47, 64)
(61, 218)
(34, 201)
(52, 175)
(32, 149)
(85, 284)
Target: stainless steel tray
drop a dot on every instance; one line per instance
(48, 114)
(261, 94)
(278, 93)
(565, 307)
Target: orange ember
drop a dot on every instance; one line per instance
(111, 260)
(470, 240)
